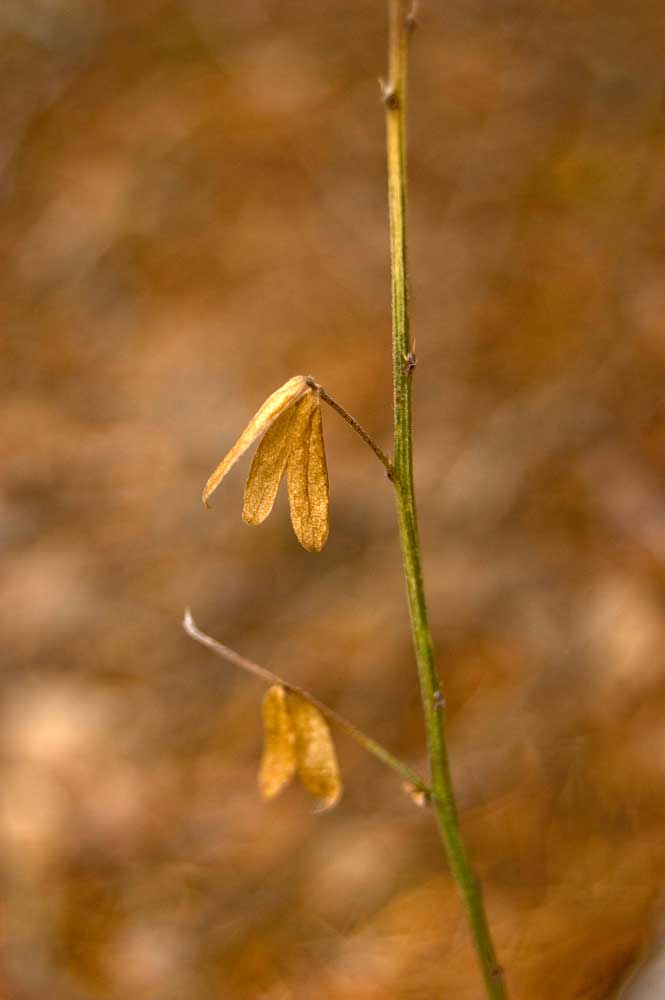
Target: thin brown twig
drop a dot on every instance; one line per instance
(352, 422)
(413, 780)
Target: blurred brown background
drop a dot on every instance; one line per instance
(192, 210)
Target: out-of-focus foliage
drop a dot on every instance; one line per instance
(193, 207)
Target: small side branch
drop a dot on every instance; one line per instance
(414, 782)
(352, 422)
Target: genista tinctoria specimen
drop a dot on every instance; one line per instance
(297, 739)
(290, 419)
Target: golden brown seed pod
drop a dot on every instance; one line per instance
(316, 759)
(308, 475)
(278, 763)
(267, 469)
(265, 416)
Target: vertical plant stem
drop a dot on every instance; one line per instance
(443, 796)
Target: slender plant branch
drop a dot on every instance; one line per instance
(443, 796)
(352, 422)
(414, 781)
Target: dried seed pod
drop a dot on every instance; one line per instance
(265, 416)
(316, 759)
(291, 420)
(308, 475)
(278, 763)
(267, 469)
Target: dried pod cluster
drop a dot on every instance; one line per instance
(297, 739)
(291, 421)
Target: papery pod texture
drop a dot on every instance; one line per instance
(278, 763)
(316, 759)
(265, 416)
(267, 469)
(308, 476)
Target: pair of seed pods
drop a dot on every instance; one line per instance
(296, 735)
(290, 420)
(297, 740)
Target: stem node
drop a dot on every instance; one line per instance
(412, 16)
(389, 95)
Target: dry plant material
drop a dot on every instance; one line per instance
(278, 763)
(316, 759)
(291, 421)
(267, 469)
(297, 738)
(276, 404)
(308, 476)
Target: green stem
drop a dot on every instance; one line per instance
(443, 795)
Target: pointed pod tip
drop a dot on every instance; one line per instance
(325, 805)
(269, 789)
(251, 518)
(314, 545)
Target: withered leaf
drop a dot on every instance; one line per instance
(316, 759)
(265, 416)
(278, 763)
(267, 469)
(308, 476)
